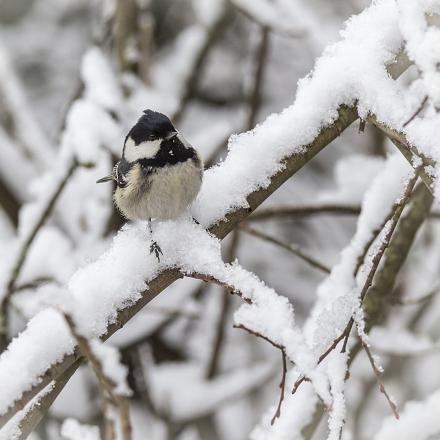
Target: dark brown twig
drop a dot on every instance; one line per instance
(379, 380)
(284, 370)
(304, 210)
(23, 252)
(293, 249)
(211, 279)
(220, 326)
(422, 105)
(260, 64)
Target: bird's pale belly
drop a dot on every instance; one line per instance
(164, 195)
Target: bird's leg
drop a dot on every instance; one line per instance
(154, 247)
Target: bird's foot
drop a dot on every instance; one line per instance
(156, 249)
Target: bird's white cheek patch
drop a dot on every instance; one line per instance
(145, 150)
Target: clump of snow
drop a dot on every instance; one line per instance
(73, 430)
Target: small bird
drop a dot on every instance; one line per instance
(159, 174)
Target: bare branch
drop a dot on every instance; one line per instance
(189, 88)
(260, 64)
(293, 249)
(378, 374)
(284, 369)
(304, 210)
(422, 105)
(213, 361)
(211, 279)
(24, 248)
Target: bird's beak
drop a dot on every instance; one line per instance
(171, 135)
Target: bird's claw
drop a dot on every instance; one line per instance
(156, 249)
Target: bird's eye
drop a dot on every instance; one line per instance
(151, 137)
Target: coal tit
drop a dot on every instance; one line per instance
(159, 174)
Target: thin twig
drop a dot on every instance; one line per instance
(422, 105)
(212, 279)
(219, 338)
(259, 335)
(284, 369)
(260, 65)
(293, 249)
(378, 374)
(305, 210)
(24, 248)
(213, 32)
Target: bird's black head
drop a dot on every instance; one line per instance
(145, 137)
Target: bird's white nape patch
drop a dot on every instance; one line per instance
(144, 150)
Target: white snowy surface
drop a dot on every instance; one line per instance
(73, 430)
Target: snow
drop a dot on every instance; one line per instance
(73, 430)
(337, 369)
(45, 341)
(417, 420)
